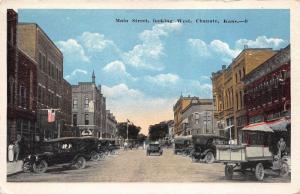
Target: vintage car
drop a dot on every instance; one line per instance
(182, 144)
(204, 147)
(68, 151)
(109, 145)
(154, 147)
(253, 154)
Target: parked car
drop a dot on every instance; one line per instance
(182, 144)
(154, 147)
(204, 147)
(68, 151)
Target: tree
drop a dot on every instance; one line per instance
(141, 138)
(133, 130)
(158, 131)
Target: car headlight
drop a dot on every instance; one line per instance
(36, 157)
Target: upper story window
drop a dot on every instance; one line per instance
(22, 91)
(75, 103)
(86, 102)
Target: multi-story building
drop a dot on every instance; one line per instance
(66, 130)
(228, 89)
(181, 104)
(268, 92)
(21, 89)
(88, 108)
(111, 125)
(198, 117)
(36, 44)
(170, 129)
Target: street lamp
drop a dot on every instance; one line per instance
(127, 127)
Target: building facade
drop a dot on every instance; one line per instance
(111, 125)
(198, 117)
(36, 44)
(88, 108)
(66, 130)
(267, 89)
(228, 90)
(21, 90)
(181, 104)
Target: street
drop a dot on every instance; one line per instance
(135, 166)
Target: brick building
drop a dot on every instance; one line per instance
(36, 44)
(198, 117)
(267, 89)
(66, 108)
(111, 125)
(88, 108)
(181, 104)
(21, 89)
(228, 89)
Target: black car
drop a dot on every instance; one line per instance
(154, 148)
(204, 147)
(69, 151)
(182, 144)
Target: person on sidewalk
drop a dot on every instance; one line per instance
(281, 146)
(16, 150)
(11, 153)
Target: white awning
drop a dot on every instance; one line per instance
(262, 126)
(279, 125)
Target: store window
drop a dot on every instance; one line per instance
(86, 119)
(75, 103)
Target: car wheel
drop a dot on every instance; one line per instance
(26, 167)
(40, 167)
(95, 156)
(101, 155)
(284, 171)
(209, 158)
(259, 172)
(80, 162)
(228, 171)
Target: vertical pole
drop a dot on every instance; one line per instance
(127, 129)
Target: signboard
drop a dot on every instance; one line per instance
(86, 132)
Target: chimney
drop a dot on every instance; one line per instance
(223, 67)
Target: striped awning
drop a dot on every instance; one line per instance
(280, 125)
(262, 126)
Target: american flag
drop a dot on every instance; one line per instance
(51, 115)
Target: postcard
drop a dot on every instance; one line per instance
(154, 97)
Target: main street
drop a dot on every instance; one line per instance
(135, 166)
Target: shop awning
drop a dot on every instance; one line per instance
(280, 125)
(262, 126)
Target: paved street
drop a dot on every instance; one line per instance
(135, 166)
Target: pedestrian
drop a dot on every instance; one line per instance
(281, 146)
(16, 150)
(11, 148)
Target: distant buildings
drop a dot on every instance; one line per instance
(180, 105)
(228, 90)
(198, 117)
(111, 125)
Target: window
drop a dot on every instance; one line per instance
(75, 103)
(236, 78)
(22, 96)
(86, 103)
(86, 119)
(40, 60)
(74, 119)
(240, 74)
(241, 99)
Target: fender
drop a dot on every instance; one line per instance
(207, 150)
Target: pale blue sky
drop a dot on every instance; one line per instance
(143, 68)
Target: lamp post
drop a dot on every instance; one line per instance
(127, 128)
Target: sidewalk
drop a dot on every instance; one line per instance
(14, 167)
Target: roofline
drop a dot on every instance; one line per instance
(31, 23)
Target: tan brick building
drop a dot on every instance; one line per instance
(228, 89)
(180, 105)
(36, 44)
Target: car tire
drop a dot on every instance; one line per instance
(41, 167)
(95, 156)
(80, 162)
(209, 157)
(284, 171)
(228, 171)
(259, 172)
(26, 167)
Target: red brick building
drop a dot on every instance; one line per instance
(21, 89)
(268, 93)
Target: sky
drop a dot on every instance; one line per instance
(144, 67)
